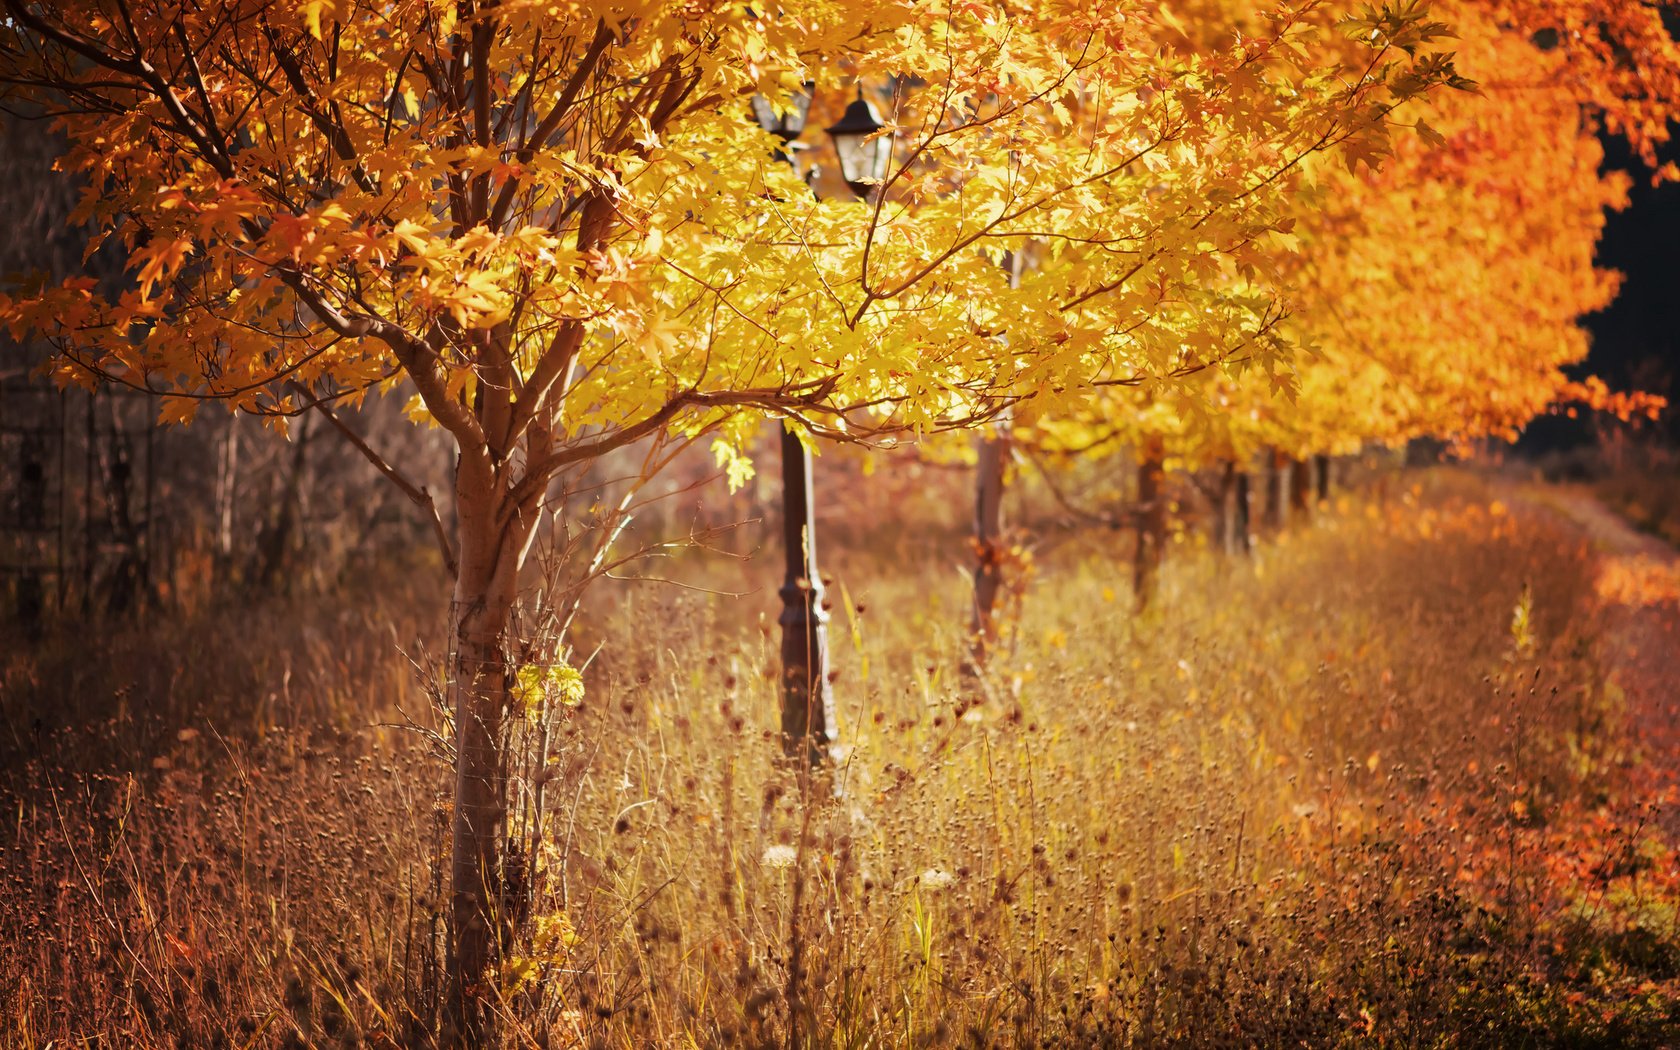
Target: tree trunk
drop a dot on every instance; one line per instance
(1151, 524)
(492, 542)
(1321, 472)
(988, 538)
(125, 575)
(480, 685)
(1277, 490)
(1299, 473)
(1234, 516)
(278, 537)
(1424, 452)
(227, 486)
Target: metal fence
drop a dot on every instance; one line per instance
(79, 533)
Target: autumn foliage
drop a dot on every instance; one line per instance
(554, 231)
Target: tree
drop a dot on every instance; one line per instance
(1441, 291)
(1446, 291)
(555, 228)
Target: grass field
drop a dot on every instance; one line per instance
(1403, 778)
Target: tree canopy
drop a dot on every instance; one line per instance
(557, 224)
(556, 230)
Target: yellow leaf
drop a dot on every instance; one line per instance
(415, 237)
(175, 409)
(311, 10)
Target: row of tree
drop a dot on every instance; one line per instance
(555, 229)
(1436, 295)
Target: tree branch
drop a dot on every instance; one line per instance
(419, 495)
(539, 470)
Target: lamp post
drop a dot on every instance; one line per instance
(808, 722)
(862, 152)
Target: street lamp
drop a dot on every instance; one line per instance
(785, 124)
(807, 700)
(863, 160)
(808, 721)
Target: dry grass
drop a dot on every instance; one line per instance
(1333, 797)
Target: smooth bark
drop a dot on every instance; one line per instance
(494, 533)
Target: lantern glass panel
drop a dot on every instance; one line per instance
(864, 154)
(785, 120)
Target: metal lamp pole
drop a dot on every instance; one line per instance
(808, 720)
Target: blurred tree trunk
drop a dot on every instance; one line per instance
(1321, 470)
(227, 485)
(1151, 523)
(988, 537)
(1234, 513)
(1298, 475)
(278, 539)
(1277, 489)
(125, 577)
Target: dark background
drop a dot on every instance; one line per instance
(1636, 341)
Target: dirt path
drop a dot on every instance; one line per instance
(1639, 585)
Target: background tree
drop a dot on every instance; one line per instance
(1441, 293)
